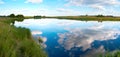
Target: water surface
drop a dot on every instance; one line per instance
(73, 38)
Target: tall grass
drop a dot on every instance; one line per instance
(17, 42)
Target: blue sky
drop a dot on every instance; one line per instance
(60, 7)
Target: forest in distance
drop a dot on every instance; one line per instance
(81, 17)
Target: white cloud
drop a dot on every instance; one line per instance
(67, 12)
(98, 7)
(94, 3)
(64, 10)
(1, 2)
(78, 37)
(24, 11)
(34, 1)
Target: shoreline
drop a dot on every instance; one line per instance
(17, 41)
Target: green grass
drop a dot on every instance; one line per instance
(88, 18)
(111, 54)
(17, 42)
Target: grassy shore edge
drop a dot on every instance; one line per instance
(17, 41)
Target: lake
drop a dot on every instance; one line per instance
(74, 38)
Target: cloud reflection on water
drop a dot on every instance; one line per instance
(36, 32)
(80, 34)
(44, 39)
(37, 36)
(94, 52)
(78, 37)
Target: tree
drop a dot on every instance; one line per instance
(12, 15)
(99, 16)
(20, 16)
(36, 17)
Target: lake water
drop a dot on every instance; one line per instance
(73, 38)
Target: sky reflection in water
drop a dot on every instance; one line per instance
(70, 38)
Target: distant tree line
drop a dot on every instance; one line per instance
(20, 16)
(2, 16)
(16, 16)
(104, 16)
(37, 17)
(100, 15)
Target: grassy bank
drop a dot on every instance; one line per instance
(17, 42)
(88, 18)
(111, 54)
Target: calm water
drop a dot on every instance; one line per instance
(70, 38)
